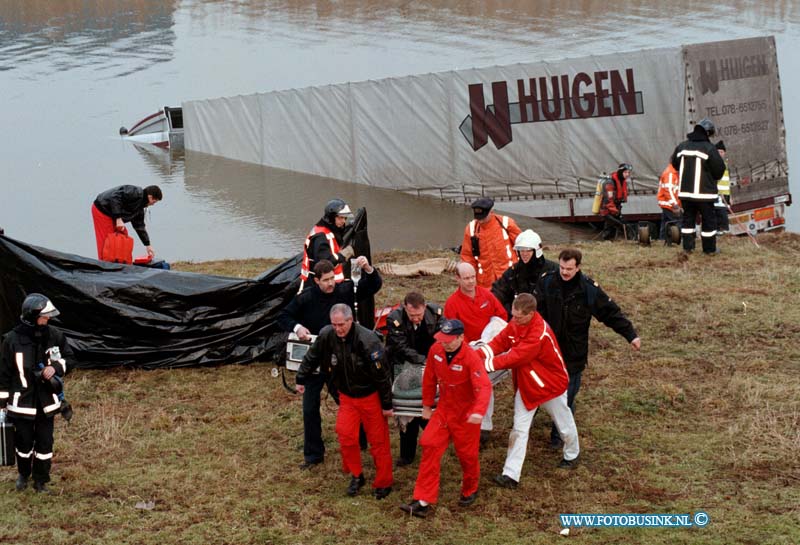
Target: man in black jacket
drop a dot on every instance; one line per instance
(306, 315)
(33, 361)
(114, 208)
(699, 166)
(567, 300)
(410, 335)
(355, 359)
(522, 277)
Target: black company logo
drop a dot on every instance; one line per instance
(713, 71)
(564, 97)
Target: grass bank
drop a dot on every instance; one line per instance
(705, 417)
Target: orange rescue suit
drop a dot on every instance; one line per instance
(496, 244)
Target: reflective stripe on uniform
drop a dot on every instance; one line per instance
(472, 234)
(509, 249)
(21, 410)
(553, 343)
(54, 406)
(305, 267)
(698, 169)
(41, 456)
(707, 234)
(489, 353)
(536, 378)
(24, 454)
(698, 196)
(20, 369)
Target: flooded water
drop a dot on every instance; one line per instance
(73, 71)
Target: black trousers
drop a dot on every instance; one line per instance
(313, 445)
(34, 444)
(723, 224)
(408, 438)
(708, 228)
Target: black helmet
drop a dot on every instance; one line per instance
(336, 207)
(708, 126)
(36, 305)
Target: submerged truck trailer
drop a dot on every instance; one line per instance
(533, 136)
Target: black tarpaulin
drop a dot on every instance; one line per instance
(134, 316)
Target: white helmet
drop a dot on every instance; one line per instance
(529, 240)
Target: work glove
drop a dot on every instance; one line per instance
(348, 252)
(66, 410)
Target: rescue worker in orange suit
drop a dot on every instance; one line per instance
(615, 193)
(528, 347)
(410, 331)
(324, 241)
(668, 200)
(464, 391)
(474, 306)
(699, 166)
(488, 243)
(33, 361)
(114, 208)
(354, 357)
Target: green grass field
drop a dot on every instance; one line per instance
(706, 417)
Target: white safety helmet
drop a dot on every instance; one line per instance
(529, 240)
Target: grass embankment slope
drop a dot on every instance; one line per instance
(705, 417)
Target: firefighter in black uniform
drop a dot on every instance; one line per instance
(33, 362)
(325, 241)
(410, 336)
(567, 300)
(699, 166)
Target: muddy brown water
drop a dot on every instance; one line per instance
(72, 72)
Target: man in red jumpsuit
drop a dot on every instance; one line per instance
(474, 306)
(464, 390)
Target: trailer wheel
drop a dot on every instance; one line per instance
(644, 233)
(674, 234)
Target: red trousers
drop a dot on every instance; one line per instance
(103, 226)
(434, 443)
(354, 411)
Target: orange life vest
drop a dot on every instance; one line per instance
(305, 268)
(668, 187)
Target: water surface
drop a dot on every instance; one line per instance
(73, 71)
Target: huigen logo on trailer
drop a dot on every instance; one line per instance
(730, 68)
(564, 97)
